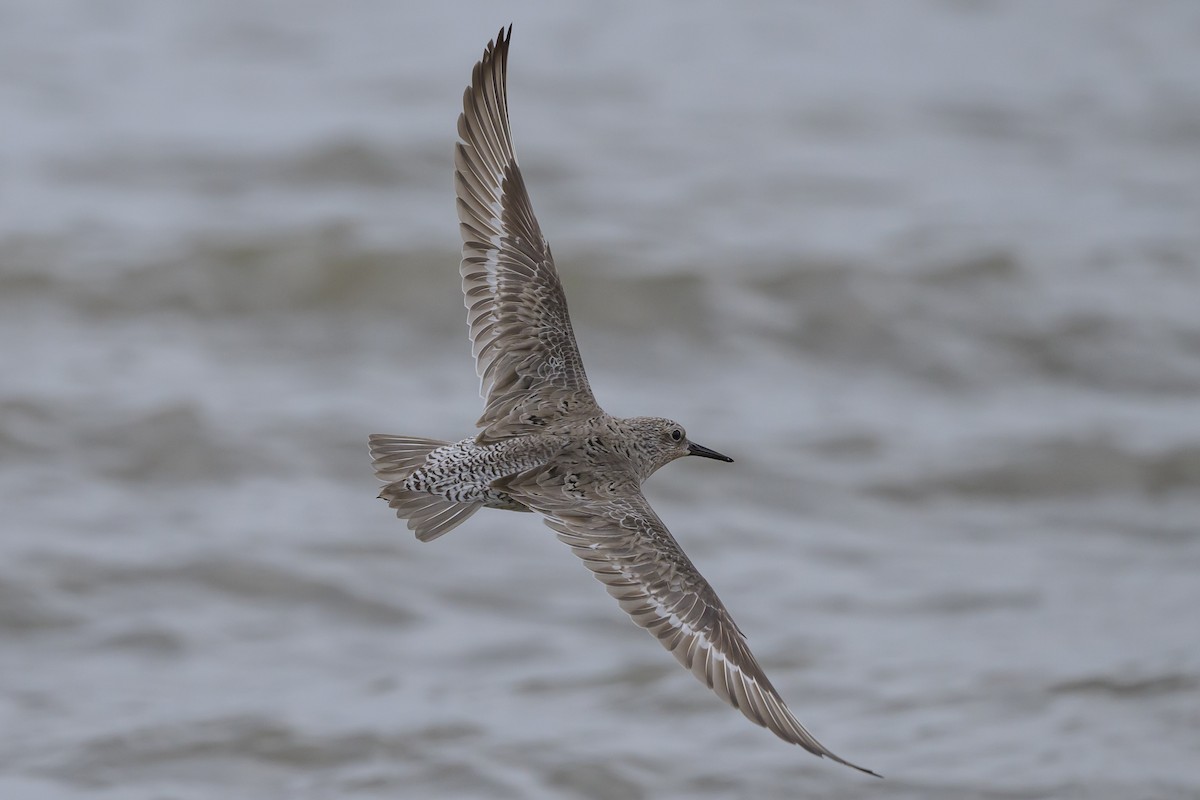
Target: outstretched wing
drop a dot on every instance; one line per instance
(633, 554)
(525, 352)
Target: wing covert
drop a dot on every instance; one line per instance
(529, 366)
(629, 549)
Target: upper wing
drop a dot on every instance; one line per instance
(521, 335)
(633, 554)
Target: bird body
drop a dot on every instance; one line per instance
(545, 445)
(602, 456)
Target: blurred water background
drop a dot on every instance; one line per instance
(928, 271)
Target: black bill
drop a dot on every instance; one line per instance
(701, 450)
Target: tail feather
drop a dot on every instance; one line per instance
(428, 515)
(397, 457)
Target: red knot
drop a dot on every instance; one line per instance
(546, 446)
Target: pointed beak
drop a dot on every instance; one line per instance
(700, 450)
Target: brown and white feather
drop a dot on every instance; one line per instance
(628, 548)
(529, 366)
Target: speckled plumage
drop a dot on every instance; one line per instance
(546, 445)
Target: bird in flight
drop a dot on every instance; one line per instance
(545, 445)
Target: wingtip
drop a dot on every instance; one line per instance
(502, 37)
(840, 760)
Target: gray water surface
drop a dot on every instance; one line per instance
(929, 272)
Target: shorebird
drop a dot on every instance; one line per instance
(546, 446)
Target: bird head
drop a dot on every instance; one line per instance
(661, 441)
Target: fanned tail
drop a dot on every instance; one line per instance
(397, 457)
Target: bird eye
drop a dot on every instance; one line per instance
(677, 435)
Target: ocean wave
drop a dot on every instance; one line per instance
(239, 578)
(1059, 468)
(972, 321)
(265, 742)
(346, 161)
(171, 443)
(1132, 687)
(26, 608)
